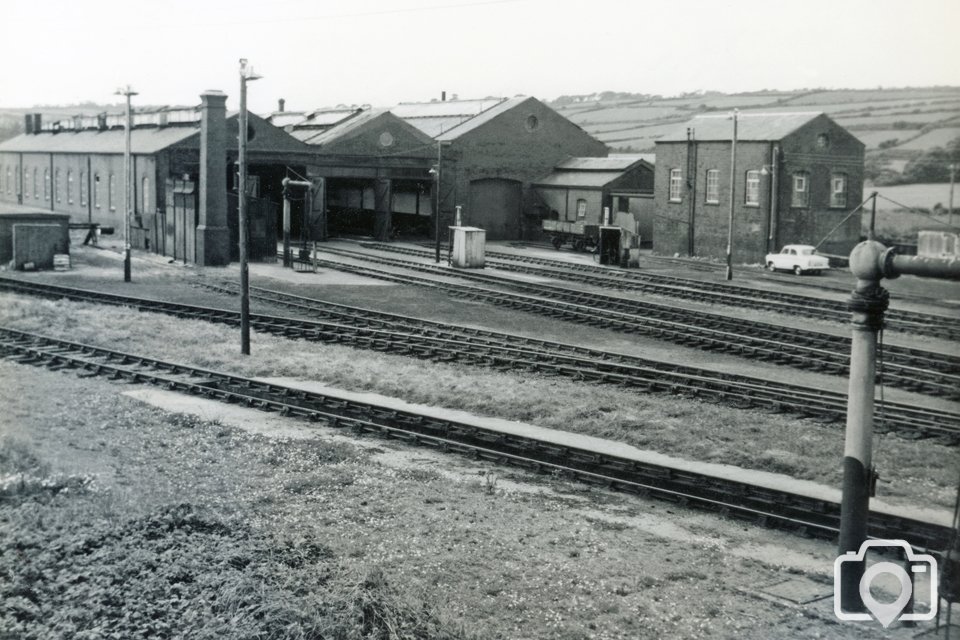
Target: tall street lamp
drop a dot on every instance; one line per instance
(246, 75)
(733, 188)
(127, 182)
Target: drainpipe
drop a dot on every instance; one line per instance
(774, 198)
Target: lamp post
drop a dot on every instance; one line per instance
(246, 75)
(733, 188)
(127, 178)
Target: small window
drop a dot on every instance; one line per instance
(36, 185)
(838, 190)
(676, 183)
(713, 186)
(581, 209)
(83, 189)
(752, 193)
(46, 184)
(96, 190)
(56, 184)
(531, 123)
(69, 187)
(145, 195)
(111, 193)
(801, 190)
(9, 181)
(17, 176)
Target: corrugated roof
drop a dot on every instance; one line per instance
(750, 126)
(285, 118)
(611, 163)
(481, 118)
(589, 179)
(441, 109)
(329, 117)
(437, 118)
(342, 128)
(142, 141)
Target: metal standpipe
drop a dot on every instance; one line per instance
(870, 262)
(867, 304)
(287, 183)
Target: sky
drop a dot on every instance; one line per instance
(328, 52)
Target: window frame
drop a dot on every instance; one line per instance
(56, 185)
(835, 202)
(715, 174)
(69, 186)
(581, 210)
(83, 189)
(804, 202)
(675, 180)
(36, 185)
(753, 175)
(46, 184)
(97, 198)
(111, 192)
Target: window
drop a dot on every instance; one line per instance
(801, 190)
(713, 186)
(69, 187)
(752, 194)
(676, 178)
(17, 177)
(145, 194)
(96, 190)
(83, 189)
(46, 184)
(111, 193)
(56, 184)
(838, 190)
(36, 185)
(9, 180)
(581, 209)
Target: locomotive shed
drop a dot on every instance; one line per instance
(169, 283)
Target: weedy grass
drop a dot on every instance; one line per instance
(182, 570)
(686, 428)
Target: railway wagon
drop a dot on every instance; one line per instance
(584, 235)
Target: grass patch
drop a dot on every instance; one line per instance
(182, 570)
(912, 470)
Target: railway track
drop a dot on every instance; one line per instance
(436, 341)
(731, 497)
(911, 369)
(594, 365)
(699, 291)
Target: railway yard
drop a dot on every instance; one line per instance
(544, 448)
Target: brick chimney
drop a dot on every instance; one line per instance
(280, 104)
(37, 123)
(28, 123)
(213, 235)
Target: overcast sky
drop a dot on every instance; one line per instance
(324, 52)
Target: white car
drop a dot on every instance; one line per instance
(799, 258)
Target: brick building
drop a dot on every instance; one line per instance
(491, 151)
(184, 199)
(578, 190)
(797, 177)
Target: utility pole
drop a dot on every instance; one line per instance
(733, 189)
(127, 181)
(246, 75)
(436, 214)
(953, 176)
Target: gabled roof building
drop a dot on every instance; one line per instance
(798, 177)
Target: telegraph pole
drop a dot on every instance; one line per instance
(127, 181)
(436, 214)
(733, 189)
(953, 176)
(246, 75)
